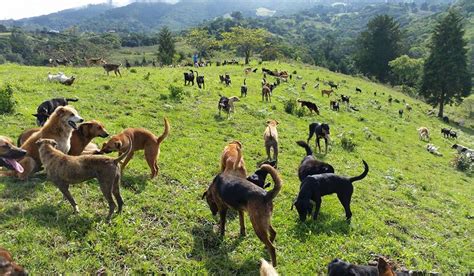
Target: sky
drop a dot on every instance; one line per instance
(17, 9)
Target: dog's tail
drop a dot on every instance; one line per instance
(276, 179)
(125, 154)
(363, 175)
(72, 99)
(239, 159)
(305, 146)
(166, 131)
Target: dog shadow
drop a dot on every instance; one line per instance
(135, 183)
(324, 224)
(15, 188)
(218, 118)
(212, 249)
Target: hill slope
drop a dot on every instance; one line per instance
(413, 207)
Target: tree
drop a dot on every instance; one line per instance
(201, 40)
(407, 70)
(3, 29)
(378, 45)
(446, 77)
(245, 40)
(166, 47)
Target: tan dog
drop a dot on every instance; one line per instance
(424, 133)
(8, 266)
(64, 170)
(59, 127)
(80, 138)
(326, 92)
(270, 136)
(141, 139)
(232, 160)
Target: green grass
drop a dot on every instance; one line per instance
(413, 207)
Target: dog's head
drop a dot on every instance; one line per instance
(304, 208)
(236, 144)
(325, 129)
(210, 201)
(65, 115)
(8, 154)
(258, 178)
(114, 144)
(93, 129)
(384, 268)
(41, 117)
(272, 123)
(49, 142)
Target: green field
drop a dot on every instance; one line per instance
(414, 208)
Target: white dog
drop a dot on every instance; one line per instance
(59, 77)
(432, 149)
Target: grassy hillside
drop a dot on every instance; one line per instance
(413, 207)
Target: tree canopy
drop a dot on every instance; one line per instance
(245, 40)
(166, 46)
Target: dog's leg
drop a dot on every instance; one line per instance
(150, 156)
(318, 143)
(107, 192)
(127, 159)
(273, 233)
(261, 226)
(275, 151)
(326, 145)
(267, 149)
(242, 223)
(223, 214)
(64, 188)
(346, 203)
(318, 207)
(116, 191)
(311, 133)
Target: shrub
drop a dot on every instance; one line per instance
(176, 93)
(347, 142)
(7, 103)
(463, 163)
(290, 106)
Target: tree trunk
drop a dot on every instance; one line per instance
(247, 57)
(441, 105)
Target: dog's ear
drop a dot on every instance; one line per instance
(204, 195)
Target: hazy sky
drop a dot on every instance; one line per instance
(17, 9)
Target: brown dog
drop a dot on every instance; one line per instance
(270, 136)
(232, 160)
(141, 139)
(326, 92)
(80, 138)
(9, 155)
(59, 127)
(8, 266)
(64, 170)
(230, 191)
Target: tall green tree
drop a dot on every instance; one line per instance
(245, 40)
(201, 40)
(378, 45)
(166, 46)
(446, 78)
(406, 70)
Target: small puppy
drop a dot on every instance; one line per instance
(141, 139)
(232, 160)
(321, 131)
(270, 136)
(8, 266)
(231, 191)
(424, 133)
(310, 165)
(314, 187)
(64, 170)
(267, 269)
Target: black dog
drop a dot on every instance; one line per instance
(400, 112)
(189, 78)
(260, 175)
(446, 132)
(227, 80)
(314, 187)
(321, 131)
(332, 85)
(243, 89)
(334, 105)
(453, 134)
(46, 108)
(345, 99)
(199, 80)
(339, 268)
(310, 165)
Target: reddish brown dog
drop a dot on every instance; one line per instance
(141, 139)
(8, 266)
(232, 160)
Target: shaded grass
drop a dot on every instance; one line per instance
(413, 207)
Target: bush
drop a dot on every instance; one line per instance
(133, 70)
(463, 163)
(347, 142)
(7, 103)
(290, 106)
(176, 93)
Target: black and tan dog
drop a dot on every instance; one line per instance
(338, 267)
(310, 105)
(314, 187)
(230, 191)
(46, 108)
(310, 165)
(321, 131)
(8, 155)
(64, 170)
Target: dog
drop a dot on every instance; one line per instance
(59, 77)
(141, 139)
(59, 127)
(200, 80)
(270, 137)
(127, 64)
(321, 131)
(8, 266)
(232, 160)
(69, 81)
(267, 269)
(46, 108)
(338, 267)
(303, 86)
(463, 150)
(424, 133)
(332, 85)
(94, 61)
(64, 170)
(358, 90)
(259, 176)
(314, 187)
(310, 165)
(408, 107)
(189, 77)
(446, 132)
(9, 155)
(267, 92)
(108, 67)
(390, 99)
(311, 106)
(227, 104)
(400, 112)
(231, 191)
(334, 105)
(227, 79)
(243, 89)
(345, 99)
(80, 138)
(434, 150)
(453, 134)
(326, 92)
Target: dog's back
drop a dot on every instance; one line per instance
(339, 268)
(310, 165)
